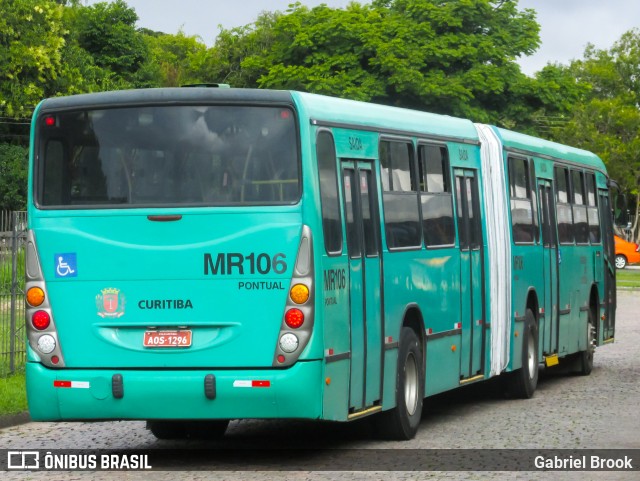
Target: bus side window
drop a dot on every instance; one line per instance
(593, 217)
(400, 195)
(563, 208)
(331, 221)
(580, 225)
(522, 210)
(435, 195)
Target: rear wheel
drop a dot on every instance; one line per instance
(188, 429)
(584, 362)
(401, 422)
(621, 261)
(523, 382)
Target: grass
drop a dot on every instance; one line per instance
(628, 278)
(6, 267)
(13, 395)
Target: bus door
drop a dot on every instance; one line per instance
(363, 244)
(471, 275)
(549, 266)
(608, 296)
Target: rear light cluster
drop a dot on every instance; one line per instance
(297, 322)
(41, 330)
(637, 248)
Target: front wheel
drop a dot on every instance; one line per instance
(523, 382)
(621, 262)
(401, 422)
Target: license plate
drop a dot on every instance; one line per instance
(167, 339)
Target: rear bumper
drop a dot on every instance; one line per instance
(634, 258)
(157, 394)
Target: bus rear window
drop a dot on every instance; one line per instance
(168, 156)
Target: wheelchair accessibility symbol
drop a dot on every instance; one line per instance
(66, 265)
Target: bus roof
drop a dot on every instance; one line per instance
(165, 95)
(545, 148)
(354, 114)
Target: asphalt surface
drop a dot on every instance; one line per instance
(567, 412)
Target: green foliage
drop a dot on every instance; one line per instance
(107, 32)
(607, 120)
(13, 177)
(31, 42)
(232, 60)
(455, 57)
(175, 60)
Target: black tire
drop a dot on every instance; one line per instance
(402, 422)
(621, 261)
(584, 362)
(167, 429)
(209, 430)
(523, 382)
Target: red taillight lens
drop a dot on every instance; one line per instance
(294, 318)
(41, 320)
(637, 248)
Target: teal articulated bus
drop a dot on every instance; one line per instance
(197, 255)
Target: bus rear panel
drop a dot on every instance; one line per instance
(162, 249)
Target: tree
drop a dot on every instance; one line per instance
(607, 121)
(13, 177)
(107, 32)
(232, 59)
(178, 59)
(31, 42)
(455, 57)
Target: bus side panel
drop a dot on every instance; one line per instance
(440, 306)
(527, 277)
(443, 364)
(333, 307)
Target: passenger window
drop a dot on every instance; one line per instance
(435, 196)
(522, 212)
(580, 224)
(331, 219)
(593, 217)
(399, 196)
(564, 215)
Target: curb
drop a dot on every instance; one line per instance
(14, 420)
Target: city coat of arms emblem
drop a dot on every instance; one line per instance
(110, 303)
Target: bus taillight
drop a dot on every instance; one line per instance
(294, 318)
(297, 320)
(289, 343)
(41, 326)
(41, 320)
(35, 296)
(299, 293)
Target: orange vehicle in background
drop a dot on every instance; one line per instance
(626, 252)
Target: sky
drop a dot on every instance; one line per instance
(567, 26)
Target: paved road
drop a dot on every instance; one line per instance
(567, 411)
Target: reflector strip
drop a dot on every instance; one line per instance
(72, 384)
(243, 383)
